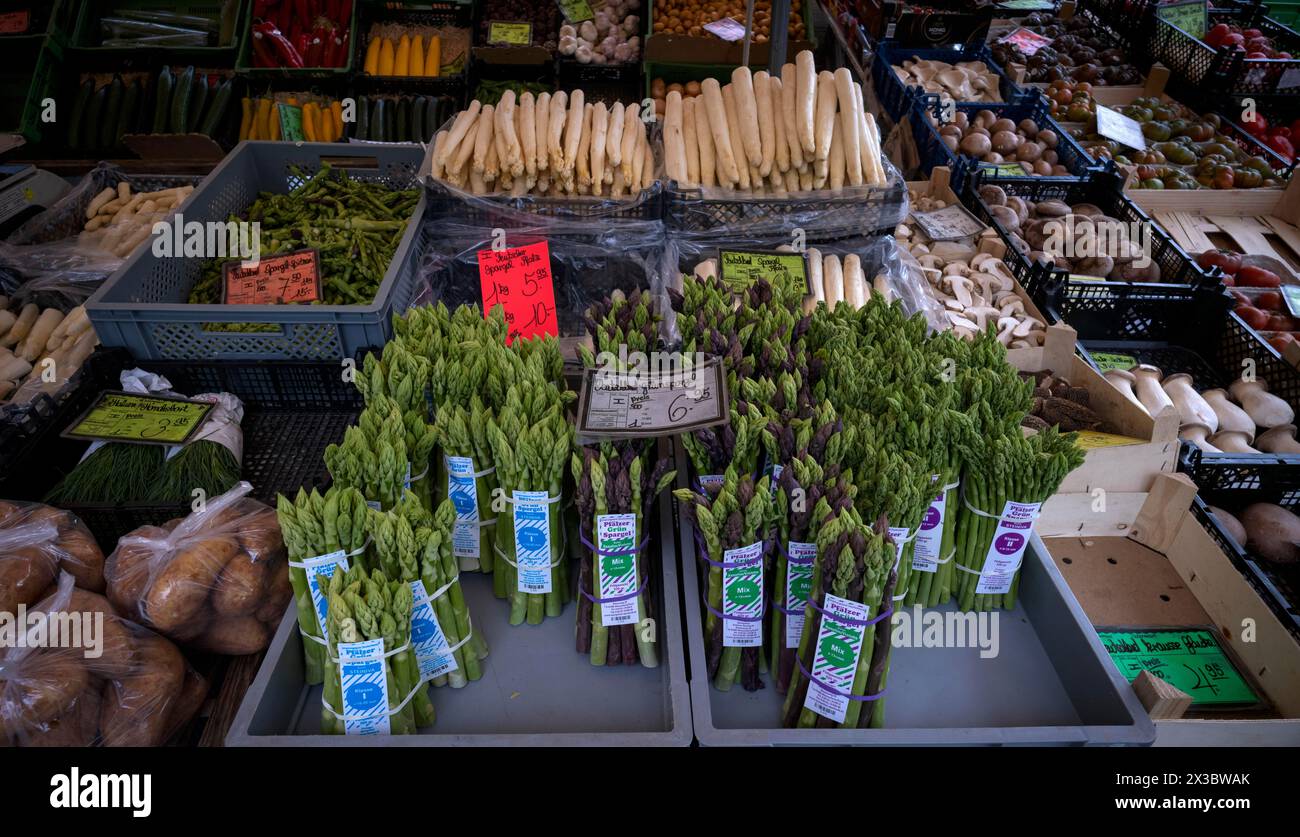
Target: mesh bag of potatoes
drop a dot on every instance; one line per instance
(216, 580)
(36, 542)
(89, 677)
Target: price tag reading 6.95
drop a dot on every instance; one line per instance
(519, 280)
(273, 280)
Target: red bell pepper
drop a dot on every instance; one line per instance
(261, 8)
(263, 55)
(345, 13)
(285, 53)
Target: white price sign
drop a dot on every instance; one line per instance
(1114, 125)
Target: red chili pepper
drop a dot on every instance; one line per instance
(303, 11)
(261, 8)
(286, 54)
(315, 55)
(263, 55)
(345, 13)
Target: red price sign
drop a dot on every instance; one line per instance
(273, 280)
(15, 23)
(519, 280)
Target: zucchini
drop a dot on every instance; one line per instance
(419, 113)
(79, 106)
(107, 123)
(403, 119)
(126, 115)
(378, 120)
(198, 100)
(163, 100)
(94, 113)
(390, 121)
(217, 110)
(361, 108)
(180, 107)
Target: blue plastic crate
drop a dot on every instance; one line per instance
(932, 152)
(142, 307)
(895, 98)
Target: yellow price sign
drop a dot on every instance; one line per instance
(130, 417)
(1091, 440)
(510, 33)
(740, 268)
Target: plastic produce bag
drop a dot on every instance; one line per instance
(36, 542)
(590, 258)
(110, 682)
(216, 580)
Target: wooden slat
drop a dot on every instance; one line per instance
(1164, 511)
(238, 677)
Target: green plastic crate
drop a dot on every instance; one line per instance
(29, 77)
(1285, 12)
(54, 19)
(87, 36)
(244, 63)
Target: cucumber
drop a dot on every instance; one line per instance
(107, 123)
(180, 107)
(163, 100)
(390, 121)
(217, 109)
(143, 114)
(403, 119)
(94, 113)
(198, 100)
(78, 117)
(360, 128)
(419, 113)
(378, 120)
(126, 115)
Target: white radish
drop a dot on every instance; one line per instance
(746, 121)
(692, 144)
(849, 125)
(766, 121)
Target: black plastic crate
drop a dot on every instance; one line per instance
(438, 13)
(932, 152)
(1277, 584)
(507, 211)
(1129, 21)
(1225, 70)
(1102, 189)
(895, 98)
(608, 83)
(292, 411)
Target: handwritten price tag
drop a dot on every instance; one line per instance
(273, 280)
(519, 280)
(740, 268)
(1026, 41)
(575, 11)
(650, 397)
(728, 29)
(15, 23)
(130, 417)
(509, 33)
(1190, 17)
(1190, 658)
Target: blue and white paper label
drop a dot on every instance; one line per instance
(463, 491)
(325, 565)
(432, 650)
(365, 687)
(533, 541)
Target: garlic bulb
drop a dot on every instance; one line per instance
(568, 45)
(588, 31)
(568, 30)
(583, 54)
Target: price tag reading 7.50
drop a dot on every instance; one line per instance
(131, 417)
(519, 280)
(273, 280)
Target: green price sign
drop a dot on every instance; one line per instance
(1106, 361)
(129, 417)
(1006, 169)
(741, 268)
(290, 122)
(510, 33)
(1189, 17)
(575, 11)
(1190, 659)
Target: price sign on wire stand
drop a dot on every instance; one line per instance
(519, 280)
(509, 33)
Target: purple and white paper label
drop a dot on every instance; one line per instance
(1015, 525)
(929, 538)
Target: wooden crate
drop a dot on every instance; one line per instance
(1170, 572)
(1253, 221)
(1105, 494)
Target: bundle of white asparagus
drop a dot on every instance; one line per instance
(803, 131)
(41, 349)
(550, 144)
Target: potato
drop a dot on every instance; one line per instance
(179, 590)
(188, 702)
(81, 558)
(236, 635)
(8, 513)
(24, 575)
(117, 639)
(241, 586)
(136, 709)
(260, 536)
(127, 570)
(78, 726)
(44, 687)
(278, 595)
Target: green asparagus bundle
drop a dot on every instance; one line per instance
(731, 526)
(326, 527)
(467, 476)
(399, 374)
(844, 647)
(441, 579)
(373, 455)
(712, 450)
(530, 437)
(1004, 483)
(614, 492)
(369, 607)
(622, 324)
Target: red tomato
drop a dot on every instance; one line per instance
(1269, 301)
(1279, 322)
(1257, 277)
(1251, 316)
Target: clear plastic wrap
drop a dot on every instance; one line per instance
(108, 681)
(880, 256)
(36, 543)
(217, 580)
(590, 258)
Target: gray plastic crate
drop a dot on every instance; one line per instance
(1050, 684)
(142, 306)
(536, 689)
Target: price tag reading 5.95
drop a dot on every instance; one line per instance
(273, 280)
(519, 280)
(130, 417)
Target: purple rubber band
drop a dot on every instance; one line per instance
(720, 615)
(621, 598)
(843, 620)
(788, 611)
(732, 565)
(877, 696)
(599, 551)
